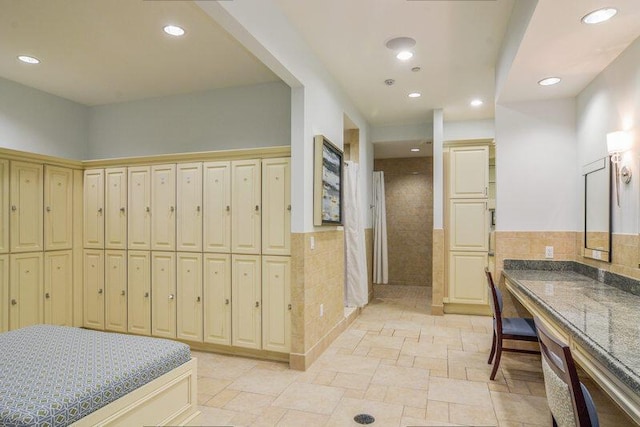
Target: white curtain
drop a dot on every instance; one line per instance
(357, 292)
(380, 256)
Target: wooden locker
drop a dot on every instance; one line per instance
(58, 288)
(139, 205)
(246, 303)
(163, 208)
(276, 303)
(58, 208)
(115, 219)
(115, 289)
(26, 290)
(4, 207)
(467, 281)
(217, 207)
(276, 206)
(469, 172)
(189, 203)
(93, 286)
(469, 225)
(4, 293)
(189, 281)
(163, 294)
(139, 292)
(93, 218)
(26, 197)
(245, 209)
(217, 295)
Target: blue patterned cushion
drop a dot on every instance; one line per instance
(56, 375)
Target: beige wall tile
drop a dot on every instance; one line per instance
(438, 272)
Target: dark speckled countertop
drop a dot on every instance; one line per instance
(602, 318)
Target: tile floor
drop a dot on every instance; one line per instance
(395, 362)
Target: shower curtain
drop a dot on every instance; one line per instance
(380, 256)
(356, 292)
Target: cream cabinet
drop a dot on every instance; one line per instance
(163, 294)
(26, 290)
(163, 210)
(276, 303)
(217, 296)
(4, 206)
(217, 207)
(115, 218)
(58, 208)
(58, 288)
(189, 207)
(189, 281)
(139, 204)
(470, 225)
(467, 282)
(26, 198)
(4, 292)
(247, 300)
(245, 211)
(276, 207)
(469, 172)
(115, 289)
(139, 292)
(93, 215)
(93, 288)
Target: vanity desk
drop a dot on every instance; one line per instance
(599, 319)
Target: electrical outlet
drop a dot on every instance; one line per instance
(548, 252)
(321, 310)
(312, 242)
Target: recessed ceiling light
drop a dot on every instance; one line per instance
(415, 95)
(416, 69)
(476, 103)
(28, 59)
(600, 15)
(415, 150)
(404, 55)
(174, 30)
(548, 81)
(402, 46)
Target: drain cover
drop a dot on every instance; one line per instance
(364, 419)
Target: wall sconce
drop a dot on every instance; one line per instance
(617, 143)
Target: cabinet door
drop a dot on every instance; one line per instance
(93, 209)
(245, 209)
(276, 303)
(189, 207)
(245, 305)
(217, 207)
(4, 206)
(468, 172)
(163, 213)
(189, 270)
(4, 293)
(93, 285)
(115, 288)
(26, 207)
(58, 288)
(163, 294)
(276, 207)
(115, 225)
(58, 208)
(26, 290)
(467, 281)
(139, 217)
(217, 295)
(469, 225)
(139, 289)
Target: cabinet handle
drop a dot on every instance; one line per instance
(171, 296)
(100, 211)
(47, 296)
(289, 307)
(485, 191)
(122, 210)
(48, 208)
(122, 292)
(172, 209)
(14, 302)
(198, 208)
(257, 303)
(289, 208)
(147, 209)
(99, 291)
(226, 301)
(257, 208)
(198, 299)
(14, 208)
(146, 294)
(228, 208)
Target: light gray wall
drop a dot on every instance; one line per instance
(35, 121)
(220, 119)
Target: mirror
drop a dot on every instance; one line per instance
(597, 213)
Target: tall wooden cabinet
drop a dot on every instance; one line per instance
(163, 203)
(58, 294)
(115, 290)
(4, 292)
(4, 206)
(276, 207)
(26, 289)
(217, 295)
(26, 198)
(93, 288)
(246, 308)
(189, 235)
(93, 218)
(139, 203)
(276, 301)
(163, 294)
(190, 301)
(58, 202)
(115, 207)
(217, 207)
(246, 214)
(139, 288)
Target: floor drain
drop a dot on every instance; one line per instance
(364, 419)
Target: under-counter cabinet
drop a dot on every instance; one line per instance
(26, 289)
(139, 204)
(93, 217)
(4, 292)
(163, 207)
(26, 198)
(217, 207)
(217, 297)
(246, 305)
(58, 206)
(139, 292)
(469, 172)
(163, 294)
(190, 303)
(4, 206)
(276, 207)
(246, 192)
(189, 225)
(58, 279)
(93, 288)
(115, 290)
(276, 301)
(115, 206)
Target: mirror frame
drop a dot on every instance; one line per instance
(598, 165)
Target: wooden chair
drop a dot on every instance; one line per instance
(508, 328)
(569, 400)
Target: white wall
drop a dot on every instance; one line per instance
(415, 132)
(536, 150)
(438, 169)
(220, 119)
(35, 121)
(469, 129)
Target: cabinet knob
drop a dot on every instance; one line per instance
(198, 208)
(289, 307)
(122, 210)
(289, 208)
(122, 292)
(14, 302)
(257, 208)
(99, 291)
(48, 208)
(147, 209)
(100, 211)
(228, 208)
(14, 208)
(226, 301)
(47, 296)
(198, 299)
(171, 296)
(172, 209)
(146, 294)
(257, 303)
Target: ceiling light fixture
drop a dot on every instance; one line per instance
(476, 103)
(416, 69)
(174, 30)
(415, 150)
(415, 95)
(404, 55)
(28, 59)
(600, 15)
(549, 81)
(402, 46)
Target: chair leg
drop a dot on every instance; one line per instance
(553, 420)
(496, 362)
(493, 348)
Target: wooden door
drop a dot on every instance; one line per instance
(276, 206)
(115, 288)
(217, 295)
(93, 285)
(139, 292)
(58, 288)
(58, 208)
(93, 218)
(467, 281)
(469, 172)
(189, 281)
(189, 207)
(246, 303)
(139, 204)
(115, 224)
(26, 290)
(4, 292)
(276, 303)
(163, 294)
(163, 202)
(4, 208)
(469, 225)
(217, 207)
(26, 207)
(245, 209)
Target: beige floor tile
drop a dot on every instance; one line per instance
(385, 414)
(354, 394)
(302, 419)
(264, 381)
(424, 349)
(249, 402)
(212, 386)
(242, 419)
(324, 377)
(482, 415)
(376, 392)
(406, 361)
(347, 363)
(407, 397)
(417, 422)
(479, 374)
(383, 353)
(319, 399)
(437, 411)
(407, 333)
(270, 417)
(349, 339)
(203, 398)
(414, 413)
(352, 381)
(222, 398)
(399, 376)
(521, 408)
(212, 417)
(458, 391)
(380, 341)
(432, 363)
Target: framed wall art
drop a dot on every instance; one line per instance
(327, 183)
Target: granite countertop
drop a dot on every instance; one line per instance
(603, 319)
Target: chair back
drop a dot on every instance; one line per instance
(495, 296)
(564, 392)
